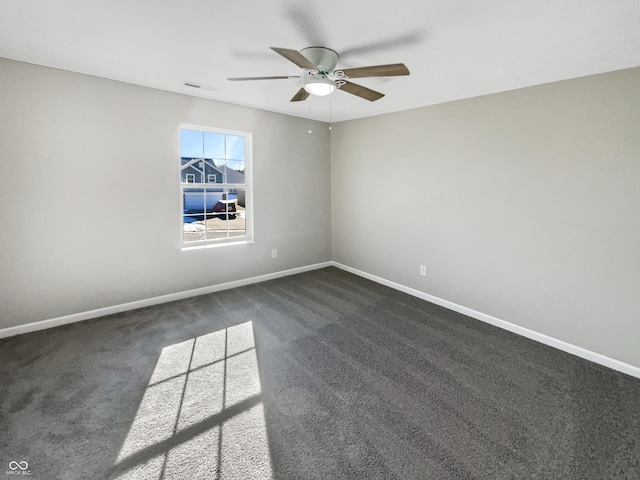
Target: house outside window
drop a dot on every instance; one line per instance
(220, 214)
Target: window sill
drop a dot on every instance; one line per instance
(217, 245)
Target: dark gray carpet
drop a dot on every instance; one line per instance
(347, 379)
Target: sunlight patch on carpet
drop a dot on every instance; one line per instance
(201, 414)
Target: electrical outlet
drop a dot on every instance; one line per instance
(423, 270)
(274, 253)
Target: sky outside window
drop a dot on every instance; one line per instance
(220, 148)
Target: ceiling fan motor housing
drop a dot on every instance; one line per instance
(323, 58)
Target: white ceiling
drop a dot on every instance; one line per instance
(454, 48)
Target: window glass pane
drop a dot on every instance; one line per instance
(211, 174)
(234, 147)
(216, 151)
(237, 226)
(219, 165)
(235, 159)
(191, 143)
(190, 170)
(216, 224)
(193, 214)
(214, 198)
(214, 145)
(193, 229)
(216, 229)
(234, 171)
(193, 201)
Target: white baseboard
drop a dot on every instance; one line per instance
(525, 332)
(101, 312)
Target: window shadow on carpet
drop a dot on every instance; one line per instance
(202, 413)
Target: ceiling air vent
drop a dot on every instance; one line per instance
(200, 86)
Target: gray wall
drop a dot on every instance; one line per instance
(89, 194)
(523, 205)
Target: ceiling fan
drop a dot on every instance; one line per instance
(320, 77)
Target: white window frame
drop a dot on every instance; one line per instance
(210, 176)
(190, 178)
(247, 186)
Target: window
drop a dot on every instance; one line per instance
(220, 214)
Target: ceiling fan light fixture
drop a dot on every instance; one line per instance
(319, 86)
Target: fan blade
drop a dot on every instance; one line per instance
(390, 70)
(301, 95)
(242, 79)
(361, 91)
(295, 57)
